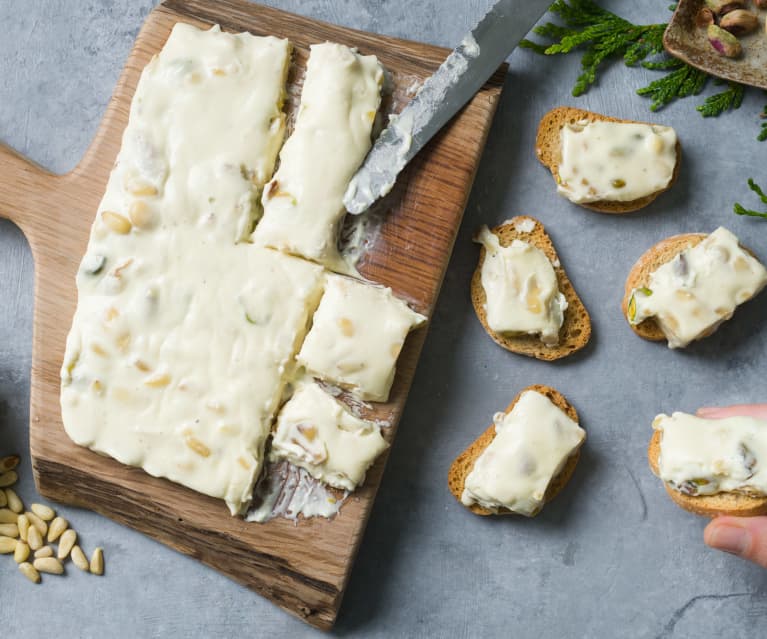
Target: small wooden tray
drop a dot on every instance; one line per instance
(303, 568)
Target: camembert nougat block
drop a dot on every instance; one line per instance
(182, 338)
(317, 433)
(303, 203)
(356, 336)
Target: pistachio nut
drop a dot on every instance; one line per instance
(723, 41)
(722, 7)
(762, 4)
(705, 17)
(632, 309)
(739, 22)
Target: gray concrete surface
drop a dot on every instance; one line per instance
(612, 556)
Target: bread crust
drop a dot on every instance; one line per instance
(576, 328)
(464, 463)
(548, 150)
(735, 504)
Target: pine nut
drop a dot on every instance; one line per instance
(9, 530)
(140, 214)
(67, 541)
(58, 526)
(45, 551)
(198, 447)
(116, 222)
(46, 513)
(79, 559)
(8, 478)
(7, 545)
(14, 503)
(158, 381)
(21, 553)
(37, 522)
(7, 516)
(23, 524)
(50, 565)
(34, 538)
(9, 462)
(30, 572)
(3, 499)
(97, 562)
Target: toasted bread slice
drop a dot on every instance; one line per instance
(576, 328)
(639, 276)
(548, 150)
(464, 463)
(736, 504)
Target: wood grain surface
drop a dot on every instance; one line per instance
(303, 568)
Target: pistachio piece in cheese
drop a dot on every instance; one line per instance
(521, 289)
(692, 294)
(317, 433)
(615, 161)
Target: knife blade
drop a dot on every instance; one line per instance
(443, 94)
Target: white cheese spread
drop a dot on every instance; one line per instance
(615, 161)
(521, 289)
(183, 338)
(691, 295)
(531, 446)
(356, 336)
(316, 433)
(303, 203)
(708, 456)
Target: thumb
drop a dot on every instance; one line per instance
(742, 536)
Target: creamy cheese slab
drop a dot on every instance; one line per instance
(708, 456)
(357, 333)
(317, 433)
(691, 295)
(303, 203)
(615, 161)
(183, 338)
(532, 443)
(521, 287)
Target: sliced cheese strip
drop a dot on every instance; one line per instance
(356, 336)
(303, 204)
(316, 433)
(183, 339)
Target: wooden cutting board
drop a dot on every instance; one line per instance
(303, 568)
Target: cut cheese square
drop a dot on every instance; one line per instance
(303, 203)
(316, 433)
(356, 336)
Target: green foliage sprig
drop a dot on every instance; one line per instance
(741, 210)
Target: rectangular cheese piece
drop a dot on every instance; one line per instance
(532, 443)
(691, 295)
(316, 433)
(707, 456)
(521, 289)
(356, 336)
(303, 204)
(615, 161)
(183, 338)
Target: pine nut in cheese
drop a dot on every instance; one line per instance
(215, 319)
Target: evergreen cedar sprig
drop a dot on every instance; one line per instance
(763, 133)
(604, 36)
(740, 210)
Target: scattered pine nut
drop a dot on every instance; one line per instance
(58, 526)
(23, 524)
(8, 478)
(9, 530)
(9, 462)
(3, 499)
(79, 559)
(45, 551)
(46, 513)
(30, 572)
(34, 538)
(21, 553)
(50, 565)
(7, 516)
(97, 562)
(67, 541)
(7, 545)
(37, 522)
(14, 503)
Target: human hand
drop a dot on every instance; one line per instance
(742, 536)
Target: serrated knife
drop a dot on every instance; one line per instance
(443, 94)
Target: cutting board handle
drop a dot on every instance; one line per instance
(26, 191)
